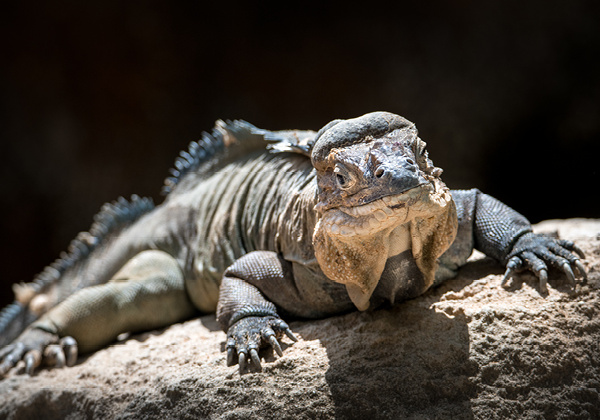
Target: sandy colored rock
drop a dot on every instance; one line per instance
(467, 349)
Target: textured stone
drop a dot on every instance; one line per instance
(467, 349)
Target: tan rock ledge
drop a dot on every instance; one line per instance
(468, 349)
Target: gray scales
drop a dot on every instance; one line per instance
(262, 226)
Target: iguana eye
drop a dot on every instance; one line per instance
(342, 177)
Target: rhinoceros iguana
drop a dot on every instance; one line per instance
(261, 225)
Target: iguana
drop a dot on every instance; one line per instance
(262, 226)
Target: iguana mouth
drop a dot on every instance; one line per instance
(386, 204)
(382, 213)
(367, 218)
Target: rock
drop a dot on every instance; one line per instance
(467, 349)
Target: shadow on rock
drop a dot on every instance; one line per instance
(410, 360)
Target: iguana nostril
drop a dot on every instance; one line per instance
(410, 165)
(379, 172)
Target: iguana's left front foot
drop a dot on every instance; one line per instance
(533, 251)
(33, 347)
(246, 336)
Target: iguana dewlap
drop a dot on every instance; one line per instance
(259, 226)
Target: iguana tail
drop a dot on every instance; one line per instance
(66, 275)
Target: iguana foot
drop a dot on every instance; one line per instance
(35, 346)
(248, 335)
(533, 252)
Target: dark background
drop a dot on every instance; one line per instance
(97, 98)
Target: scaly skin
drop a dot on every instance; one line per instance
(256, 235)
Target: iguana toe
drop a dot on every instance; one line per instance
(10, 356)
(69, 346)
(570, 246)
(54, 356)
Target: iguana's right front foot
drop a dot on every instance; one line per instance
(34, 346)
(246, 336)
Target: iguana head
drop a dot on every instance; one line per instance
(376, 186)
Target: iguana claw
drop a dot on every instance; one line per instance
(69, 346)
(255, 359)
(512, 266)
(533, 252)
(32, 359)
(275, 344)
(246, 336)
(242, 361)
(580, 270)
(289, 333)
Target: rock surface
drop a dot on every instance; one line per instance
(467, 349)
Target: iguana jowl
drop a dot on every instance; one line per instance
(353, 216)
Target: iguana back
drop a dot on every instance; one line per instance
(94, 256)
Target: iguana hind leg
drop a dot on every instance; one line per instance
(147, 293)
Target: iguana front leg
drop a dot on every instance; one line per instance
(248, 318)
(506, 235)
(147, 293)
